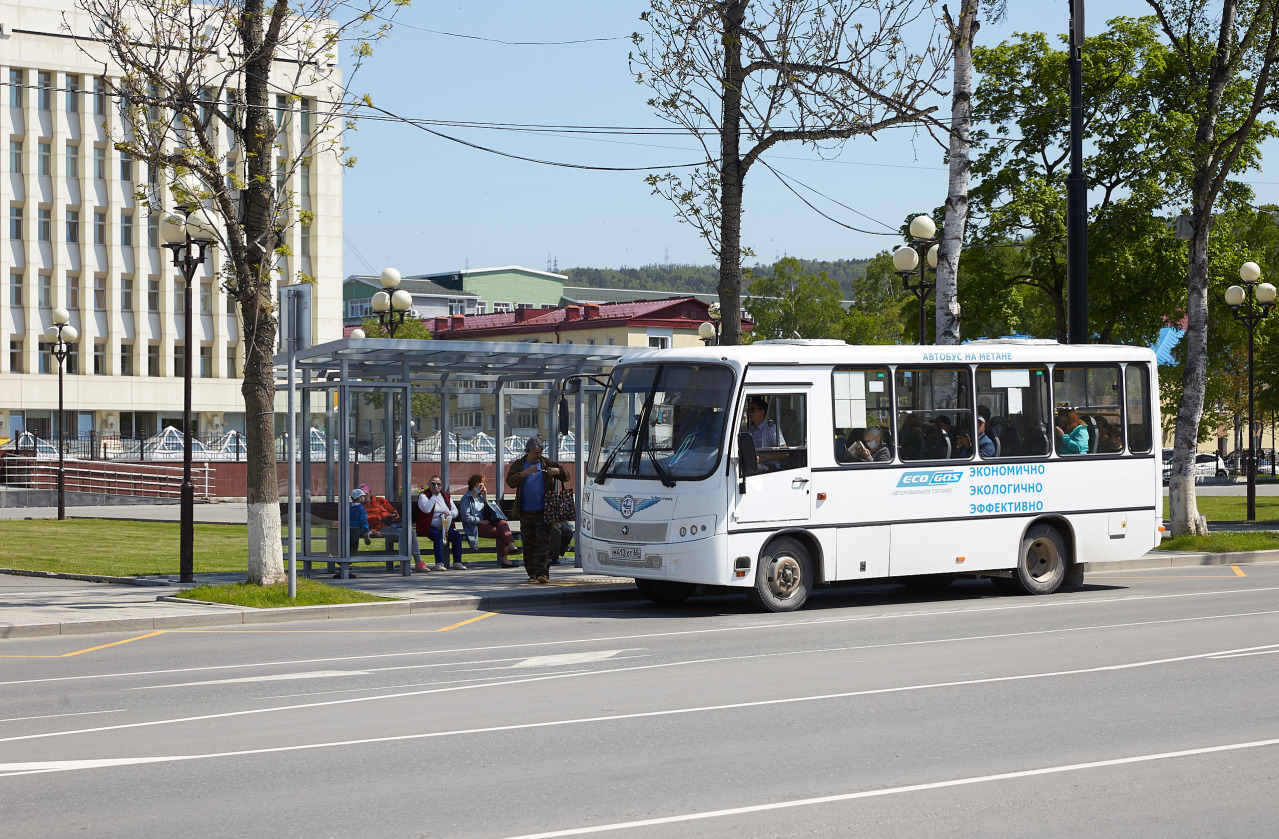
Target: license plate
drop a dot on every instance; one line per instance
(632, 554)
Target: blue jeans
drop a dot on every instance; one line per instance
(437, 540)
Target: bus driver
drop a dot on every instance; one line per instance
(766, 435)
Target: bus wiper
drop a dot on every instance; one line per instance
(608, 462)
(667, 480)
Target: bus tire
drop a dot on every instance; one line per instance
(1041, 562)
(783, 577)
(928, 582)
(665, 592)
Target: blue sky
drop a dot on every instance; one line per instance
(424, 204)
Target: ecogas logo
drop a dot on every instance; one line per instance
(933, 477)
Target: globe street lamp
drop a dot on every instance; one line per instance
(63, 335)
(921, 248)
(391, 304)
(708, 330)
(188, 233)
(1236, 297)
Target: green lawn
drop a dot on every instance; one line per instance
(310, 593)
(1234, 508)
(117, 548)
(1223, 542)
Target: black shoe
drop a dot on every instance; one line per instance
(556, 562)
(338, 576)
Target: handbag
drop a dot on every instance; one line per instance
(558, 505)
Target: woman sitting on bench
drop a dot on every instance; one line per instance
(436, 512)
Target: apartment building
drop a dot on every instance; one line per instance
(76, 236)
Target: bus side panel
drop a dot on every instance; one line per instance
(955, 546)
(1114, 537)
(861, 553)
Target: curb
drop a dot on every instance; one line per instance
(1179, 559)
(88, 578)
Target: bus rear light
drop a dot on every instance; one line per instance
(1162, 528)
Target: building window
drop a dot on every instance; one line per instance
(16, 84)
(126, 294)
(230, 304)
(44, 358)
(73, 227)
(100, 293)
(15, 355)
(523, 305)
(281, 108)
(231, 371)
(281, 178)
(126, 167)
(99, 96)
(99, 358)
(73, 160)
(308, 106)
(206, 297)
(500, 307)
(126, 359)
(73, 359)
(44, 225)
(99, 163)
(44, 83)
(153, 294)
(126, 230)
(206, 362)
(153, 230)
(15, 157)
(306, 240)
(179, 296)
(480, 307)
(15, 289)
(73, 292)
(609, 341)
(44, 159)
(15, 223)
(590, 342)
(179, 360)
(306, 179)
(99, 228)
(44, 291)
(72, 90)
(153, 360)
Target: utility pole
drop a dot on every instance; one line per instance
(1077, 191)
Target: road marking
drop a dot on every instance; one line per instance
(754, 627)
(1244, 655)
(877, 793)
(279, 677)
(91, 649)
(569, 658)
(1104, 668)
(1238, 571)
(468, 620)
(76, 714)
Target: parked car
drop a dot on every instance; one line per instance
(1206, 465)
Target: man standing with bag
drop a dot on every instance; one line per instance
(532, 477)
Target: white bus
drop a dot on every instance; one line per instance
(780, 466)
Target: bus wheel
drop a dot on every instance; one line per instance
(784, 577)
(665, 591)
(1041, 566)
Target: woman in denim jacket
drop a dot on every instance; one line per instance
(481, 517)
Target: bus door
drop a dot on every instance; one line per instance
(780, 490)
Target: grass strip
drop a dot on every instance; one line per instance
(1234, 508)
(1223, 542)
(310, 593)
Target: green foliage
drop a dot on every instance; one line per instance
(1220, 543)
(793, 303)
(309, 593)
(413, 329)
(881, 308)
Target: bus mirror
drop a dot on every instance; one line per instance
(563, 416)
(748, 460)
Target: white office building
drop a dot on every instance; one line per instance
(75, 236)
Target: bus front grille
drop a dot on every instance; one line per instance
(626, 531)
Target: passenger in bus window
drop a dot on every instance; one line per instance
(985, 445)
(911, 437)
(939, 444)
(765, 433)
(1071, 433)
(871, 448)
(1108, 440)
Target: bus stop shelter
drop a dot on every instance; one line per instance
(339, 389)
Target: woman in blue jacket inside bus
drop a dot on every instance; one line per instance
(1072, 433)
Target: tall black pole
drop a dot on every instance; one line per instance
(923, 284)
(1077, 190)
(186, 533)
(1251, 455)
(61, 352)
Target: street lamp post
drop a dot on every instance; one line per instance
(1236, 296)
(708, 330)
(63, 335)
(188, 233)
(392, 303)
(921, 249)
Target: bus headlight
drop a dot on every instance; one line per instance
(701, 527)
(586, 523)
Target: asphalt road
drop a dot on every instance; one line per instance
(1141, 705)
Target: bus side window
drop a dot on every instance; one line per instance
(934, 413)
(778, 424)
(1015, 403)
(1088, 396)
(1138, 405)
(863, 403)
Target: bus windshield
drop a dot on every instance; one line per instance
(662, 421)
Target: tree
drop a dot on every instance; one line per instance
(882, 310)
(1226, 54)
(1016, 259)
(422, 405)
(195, 84)
(742, 76)
(790, 304)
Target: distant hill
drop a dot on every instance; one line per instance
(701, 279)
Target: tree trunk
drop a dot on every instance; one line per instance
(731, 175)
(952, 238)
(1183, 506)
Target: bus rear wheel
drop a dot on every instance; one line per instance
(783, 577)
(665, 591)
(1041, 564)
